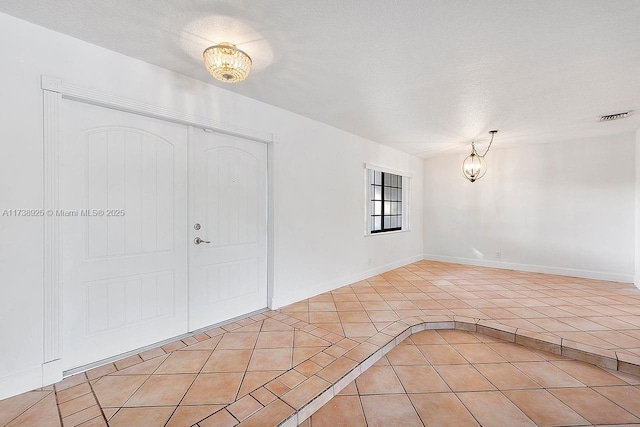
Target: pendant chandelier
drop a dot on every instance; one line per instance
(474, 166)
(227, 63)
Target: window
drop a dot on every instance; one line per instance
(385, 201)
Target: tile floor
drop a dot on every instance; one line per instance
(599, 314)
(220, 377)
(458, 378)
(281, 366)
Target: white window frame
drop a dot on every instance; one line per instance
(406, 199)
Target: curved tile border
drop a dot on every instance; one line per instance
(373, 349)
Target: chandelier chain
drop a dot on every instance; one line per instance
(490, 142)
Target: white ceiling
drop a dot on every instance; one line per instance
(421, 76)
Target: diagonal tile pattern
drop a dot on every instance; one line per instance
(210, 378)
(282, 366)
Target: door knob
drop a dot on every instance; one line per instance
(198, 240)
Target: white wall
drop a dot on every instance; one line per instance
(320, 241)
(565, 208)
(317, 173)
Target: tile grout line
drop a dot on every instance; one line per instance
(190, 385)
(403, 387)
(239, 385)
(95, 398)
(244, 376)
(364, 415)
(493, 384)
(290, 369)
(35, 403)
(55, 393)
(594, 388)
(139, 387)
(456, 393)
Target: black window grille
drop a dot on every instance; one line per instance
(386, 201)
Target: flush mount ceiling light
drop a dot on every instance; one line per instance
(227, 63)
(474, 166)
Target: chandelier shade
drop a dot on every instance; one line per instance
(227, 63)
(474, 166)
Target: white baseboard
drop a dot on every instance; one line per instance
(36, 377)
(305, 293)
(20, 382)
(52, 372)
(587, 274)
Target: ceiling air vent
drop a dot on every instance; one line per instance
(616, 116)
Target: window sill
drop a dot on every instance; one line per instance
(387, 233)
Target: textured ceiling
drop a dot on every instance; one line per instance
(421, 76)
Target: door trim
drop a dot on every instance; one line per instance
(54, 90)
(101, 99)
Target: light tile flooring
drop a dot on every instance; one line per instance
(261, 370)
(458, 378)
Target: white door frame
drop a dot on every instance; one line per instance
(54, 90)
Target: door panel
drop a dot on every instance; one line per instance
(124, 275)
(228, 187)
(232, 279)
(146, 297)
(233, 202)
(126, 167)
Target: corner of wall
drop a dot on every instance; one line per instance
(304, 293)
(570, 272)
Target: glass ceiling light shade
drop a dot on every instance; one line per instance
(227, 63)
(474, 166)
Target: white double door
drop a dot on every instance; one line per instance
(132, 190)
